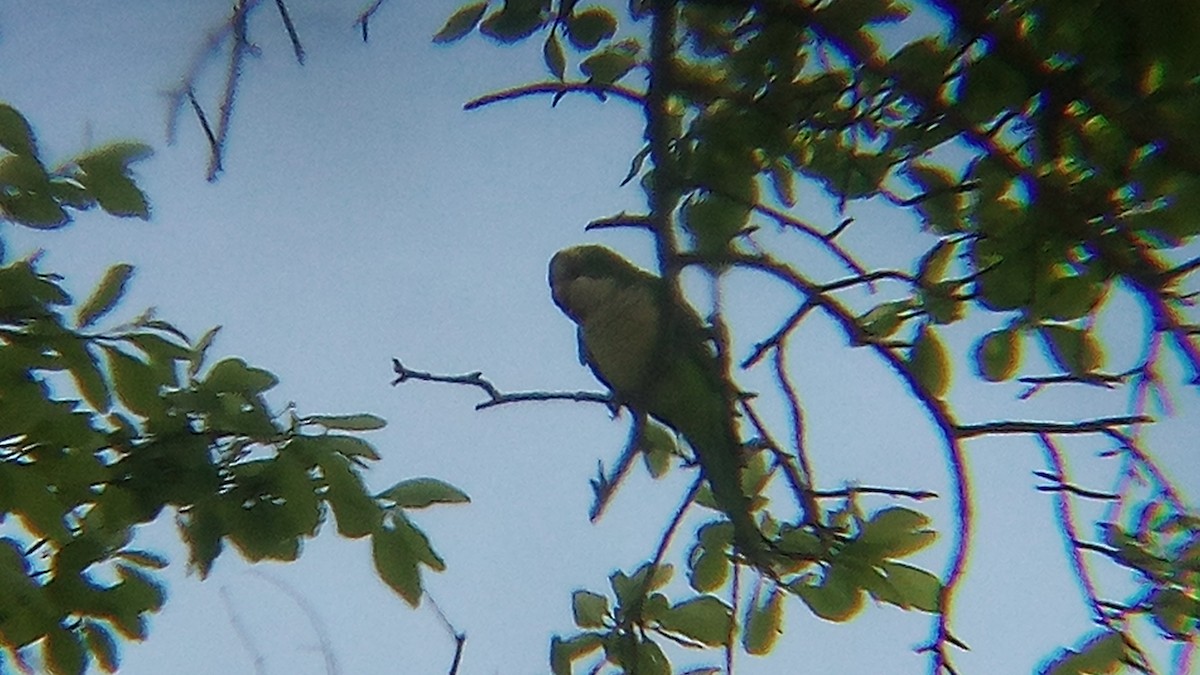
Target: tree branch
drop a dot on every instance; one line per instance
(1096, 426)
(558, 89)
(495, 396)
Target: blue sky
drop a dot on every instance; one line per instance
(364, 215)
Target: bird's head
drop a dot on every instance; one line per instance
(583, 277)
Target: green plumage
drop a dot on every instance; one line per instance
(654, 355)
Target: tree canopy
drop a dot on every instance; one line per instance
(1041, 160)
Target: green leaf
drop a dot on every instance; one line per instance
(26, 195)
(397, 565)
(460, 23)
(1100, 654)
(892, 533)
(356, 512)
(137, 385)
(657, 447)
(102, 645)
(164, 355)
(1175, 612)
(517, 20)
(629, 588)
(589, 609)
(610, 64)
(940, 303)
(932, 267)
(105, 175)
(418, 543)
(642, 657)
(349, 446)
(143, 559)
(418, 493)
(928, 362)
(564, 652)
(589, 28)
(836, 597)
(764, 625)
(1067, 298)
(713, 221)
(140, 590)
(708, 566)
(783, 182)
(233, 375)
(63, 652)
(916, 587)
(84, 366)
(991, 87)
(704, 619)
(16, 135)
(884, 320)
(106, 296)
(203, 528)
(998, 354)
(360, 422)
(552, 54)
(201, 350)
(1073, 349)
(118, 155)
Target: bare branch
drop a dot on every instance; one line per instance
(604, 486)
(1096, 426)
(365, 17)
(495, 396)
(851, 490)
(460, 638)
(297, 48)
(777, 338)
(558, 89)
(622, 219)
(826, 240)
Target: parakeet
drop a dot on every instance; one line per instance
(654, 354)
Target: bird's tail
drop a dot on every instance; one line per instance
(701, 411)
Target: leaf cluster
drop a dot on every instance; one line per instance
(1050, 152)
(103, 431)
(34, 196)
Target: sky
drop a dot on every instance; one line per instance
(364, 215)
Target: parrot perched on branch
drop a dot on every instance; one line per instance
(653, 353)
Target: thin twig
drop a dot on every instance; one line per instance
(460, 638)
(849, 491)
(365, 18)
(776, 338)
(1066, 522)
(1095, 426)
(495, 396)
(605, 486)
(558, 89)
(297, 48)
(620, 220)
